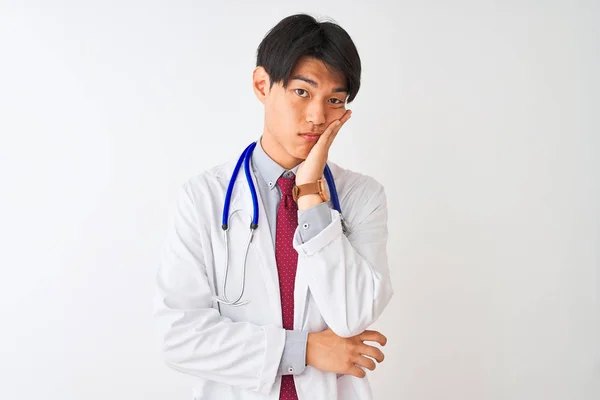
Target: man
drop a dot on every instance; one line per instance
(281, 312)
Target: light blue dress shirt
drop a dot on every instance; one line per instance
(311, 222)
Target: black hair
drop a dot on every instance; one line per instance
(301, 35)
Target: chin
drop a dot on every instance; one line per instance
(302, 152)
(301, 155)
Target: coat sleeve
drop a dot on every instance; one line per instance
(348, 276)
(195, 338)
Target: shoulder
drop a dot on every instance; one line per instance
(362, 197)
(352, 183)
(210, 181)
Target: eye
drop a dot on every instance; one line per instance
(336, 101)
(301, 92)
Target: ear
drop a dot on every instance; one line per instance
(260, 83)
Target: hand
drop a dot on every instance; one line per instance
(312, 168)
(329, 352)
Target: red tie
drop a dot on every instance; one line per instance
(287, 261)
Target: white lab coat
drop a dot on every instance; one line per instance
(342, 282)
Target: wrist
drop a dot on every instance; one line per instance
(305, 176)
(309, 200)
(309, 341)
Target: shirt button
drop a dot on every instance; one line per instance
(290, 369)
(305, 226)
(270, 184)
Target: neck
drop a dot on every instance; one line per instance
(277, 153)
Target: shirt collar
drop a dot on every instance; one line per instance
(266, 168)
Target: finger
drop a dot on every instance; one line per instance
(365, 362)
(345, 117)
(341, 123)
(335, 126)
(326, 139)
(373, 336)
(356, 371)
(372, 352)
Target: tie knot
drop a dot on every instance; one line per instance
(286, 184)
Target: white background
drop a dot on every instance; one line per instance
(480, 118)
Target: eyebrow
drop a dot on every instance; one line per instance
(315, 84)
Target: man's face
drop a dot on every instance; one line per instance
(315, 97)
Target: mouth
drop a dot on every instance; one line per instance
(310, 136)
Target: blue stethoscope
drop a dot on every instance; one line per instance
(245, 158)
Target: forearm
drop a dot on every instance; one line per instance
(202, 343)
(348, 276)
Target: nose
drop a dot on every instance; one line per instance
(315, 113)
